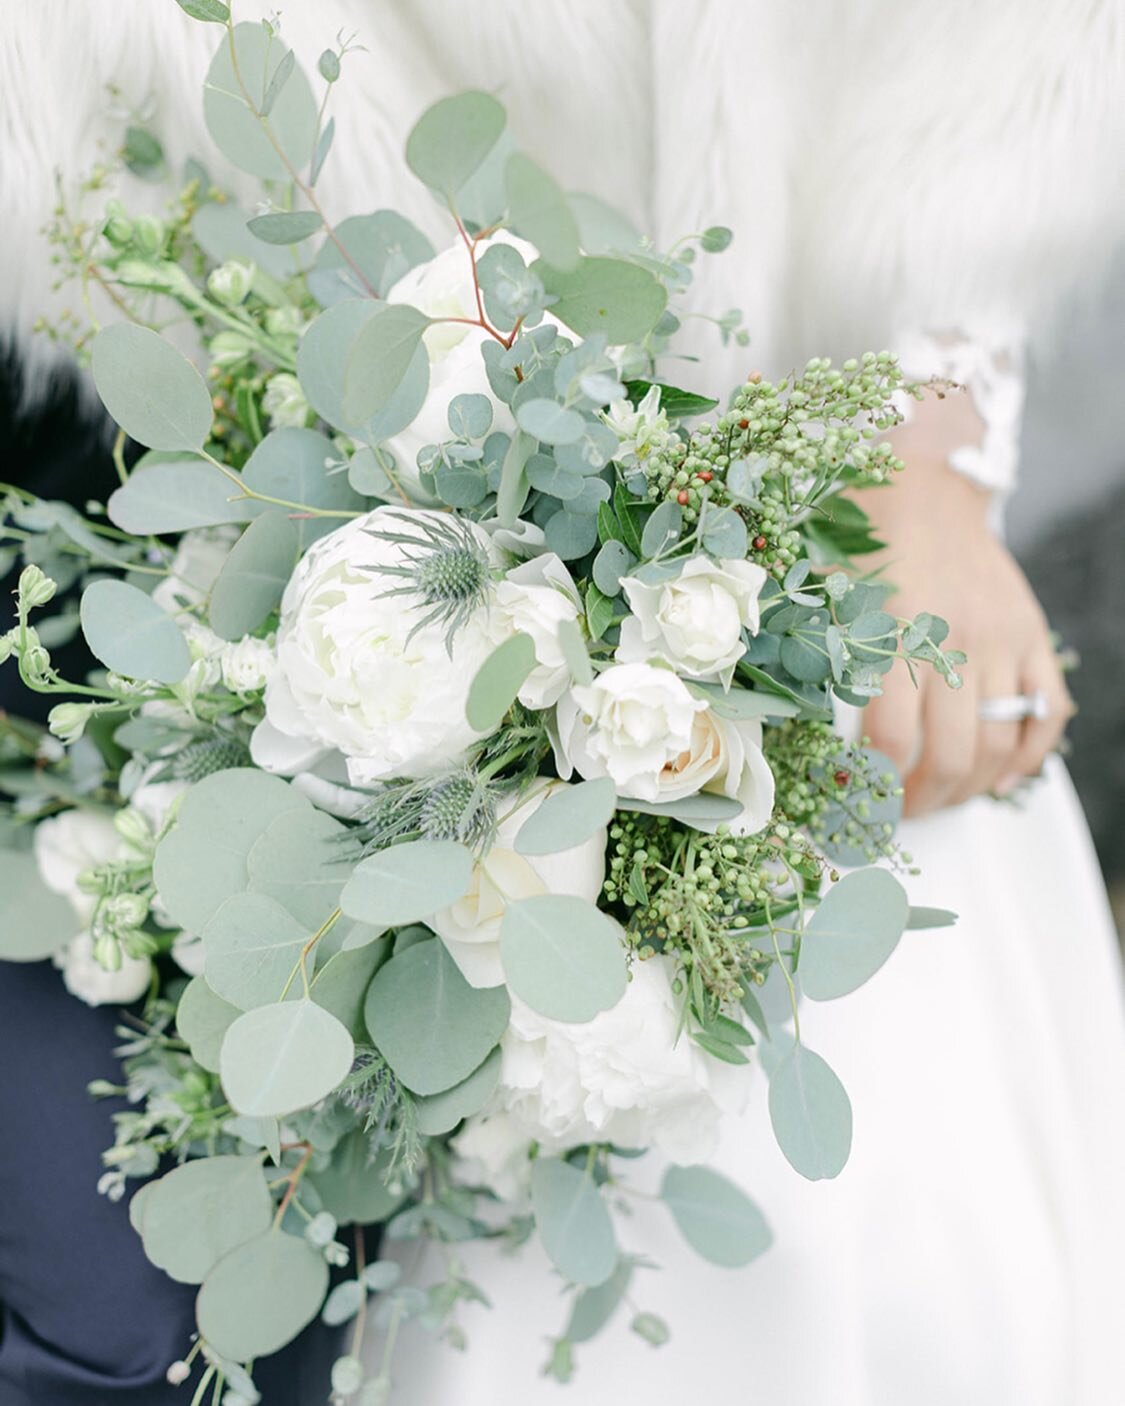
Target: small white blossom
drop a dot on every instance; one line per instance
(639, 431)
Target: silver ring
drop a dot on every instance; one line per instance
(1015, 708)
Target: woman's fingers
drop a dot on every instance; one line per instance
(1040, 736)
(949, 736)
(893, 721)
(996, 742)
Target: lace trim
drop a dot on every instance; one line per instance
(991, 367)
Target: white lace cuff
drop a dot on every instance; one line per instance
(991, 367)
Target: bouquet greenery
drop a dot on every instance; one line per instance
(458, 792)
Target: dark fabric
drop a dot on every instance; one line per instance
(87, 1320)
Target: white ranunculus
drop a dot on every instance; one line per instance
(695, 621)
(443, 287)
(87, 979)
(68, 844)
(641, 726)
(199, 558)
(247, 664)
(357, 672)
(470, 928)
(535, 599)
(629, 1076)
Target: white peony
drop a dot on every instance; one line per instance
(629, 1076)
(357, 671)
(641, 726)
(695, 621)
(443, 287)
(470, 928)
(536, 598)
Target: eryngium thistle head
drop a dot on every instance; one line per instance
(447, 569)
(204, 758)
(459, 807)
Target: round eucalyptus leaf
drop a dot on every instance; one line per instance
(550, 422)
(496, 684)
(238, 81)
(37, 921)
(408, 882)
(702, 808)
(547, 475)
(540, 212)
(129, 633)
(380, 248)
(618, 299)
(613, 561)
(569, 816)
(452, 138)
(220, 231)
(340, 986)
(571, 535)
(353, 1187)
(153, 391)
(470, 416)
(380, 357)
(429, 1024)
(260, 1295)
(300, 466)
(852, 933)
(724, 533)
(718, 1221)
(299, 861)
(930, 918)
(251, 946)
(174, 495)
(811, 1115)
(562, 956)
(440, 1113)
(662, 529)
(593, 1308)
(253, 577)
(278, 1059)
(201, 1210)
(203, 1019)
(573, 1222)
(285, 226)
(137, 1204)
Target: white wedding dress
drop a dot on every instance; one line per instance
(884, 165)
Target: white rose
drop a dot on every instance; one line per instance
(470, 928)
(629, 1076)
(634, 725)
(66, 846)
(695, 621)
(535, 599)
(443, 287)
(357, 671)
(87, 979)
(247, 664)
(199, 558)
(188, 953)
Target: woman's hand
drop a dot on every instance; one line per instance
(943, 558)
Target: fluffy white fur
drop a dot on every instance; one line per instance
(885, 163)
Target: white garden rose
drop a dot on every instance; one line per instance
(629, 1077)
(357, 669)
(470, 928)
(641, 726)
(443, 287)
(536, 598)
(694, 621)
(85, 977)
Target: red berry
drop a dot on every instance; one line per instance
(744, 424)
(842, 777)
(759, 543)
(682, 496)
(706, 476)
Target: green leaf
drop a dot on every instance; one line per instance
(618, 299)
(199, 1212)
(278, 1059)
(724, 533)
(221, 232)
(354, 1187)
(704, 807)
(743, 703)
(593, 1308)
(203, 1019)
(718, 1221)
(252, 945)
(512, 493)
(429, 1024)
(451, 140)
(575, 653)
(569, 816)
(37, 921)
(562, 956)
(602, 228)
(231, 120)
(676, 403)
(175, 496)
(715, 239)
(573, 1222)
(440, 1113)
(852, 933)
(408, 882)
(613, 561)
(297, 465)
(285, 226)
(380, 357)
(250, 584)
(380, 248)
(570, 535)
(213, 11)
(600, 612)
(540, 213)
(153, 391)
(340, 986)
(811, 1115)
(662, 530)
(497, 682)
(130, 634)
(550, 422)
(470, 416)
(260, 1296)
(930, 918)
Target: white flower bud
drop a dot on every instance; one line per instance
(126, 910)
(284, 402)
(230, 348)
(35, 587)
(231, 282)
(148, 234)
(107, 952)
(347, 1375)
(67, 721)
(177, 1373)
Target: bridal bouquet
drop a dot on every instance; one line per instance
(458, 792)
